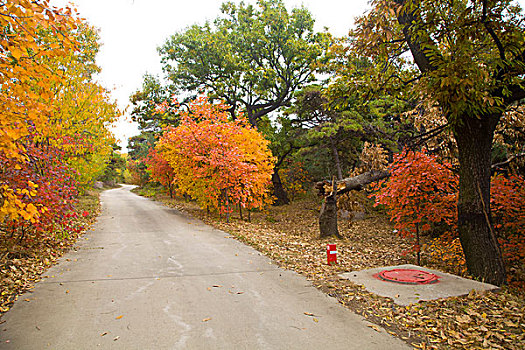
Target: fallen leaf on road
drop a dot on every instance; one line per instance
(37, 327)
(103, 334)
(209, 288)
(206, 319)
(216, 286)
(67, 291)
(315, 319)
(28, 300)
(309, 314)
(240, 292)
(374, 327)
(116, 338)
(119, 317)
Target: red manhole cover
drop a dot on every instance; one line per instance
(407, 276)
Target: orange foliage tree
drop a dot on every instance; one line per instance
(295, 178)
(161, 171)
(420, 193)
(218, 161)
(508, 213)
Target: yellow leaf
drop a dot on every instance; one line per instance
(119, 317)
(374, 327)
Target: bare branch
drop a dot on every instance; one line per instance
(500, 164)
(491, 31)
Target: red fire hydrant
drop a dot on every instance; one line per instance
(331, 254)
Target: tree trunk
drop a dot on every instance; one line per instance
(474, 138)
(328, 215)
(337, 161)
(278, 189)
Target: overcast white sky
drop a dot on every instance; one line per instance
(131, 31)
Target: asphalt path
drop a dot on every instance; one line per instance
(148, 277)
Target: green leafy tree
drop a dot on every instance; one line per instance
(115, 167)
(468, 60)
(139, 147)
(252, 57)
(146, 103)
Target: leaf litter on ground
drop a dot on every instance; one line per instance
(289, 235)
(22, 263)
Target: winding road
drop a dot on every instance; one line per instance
(148, 277)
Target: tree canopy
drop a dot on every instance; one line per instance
(467, 60)
(252, 57)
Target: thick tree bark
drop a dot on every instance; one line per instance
(278, 189)
(328, 215)
(474, 139)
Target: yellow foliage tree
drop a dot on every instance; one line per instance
(23, 108)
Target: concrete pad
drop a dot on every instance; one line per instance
(406, 294)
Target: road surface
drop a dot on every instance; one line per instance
(149, 277)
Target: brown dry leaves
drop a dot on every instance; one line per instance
(21, 264)
(289, 235)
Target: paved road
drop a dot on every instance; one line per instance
(148, 277)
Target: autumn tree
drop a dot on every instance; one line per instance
(252, 57)
(83, 110)
(218, 161)
(419, 194)
(161, 171)
(468, 58)
(115, 169)
(55, 119)
(23, 108)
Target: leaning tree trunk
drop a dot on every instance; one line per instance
(474, 139)
(278, 189)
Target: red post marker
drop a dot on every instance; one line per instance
(331, 254)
